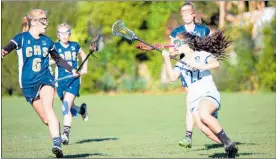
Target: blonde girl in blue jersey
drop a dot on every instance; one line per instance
(193, 25)
(201, 54)
(35, 79)
(68, 89)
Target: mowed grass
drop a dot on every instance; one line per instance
(141, 126)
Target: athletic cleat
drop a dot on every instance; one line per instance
(64, 139)
(57, 151)
(186, 142)
(83, 108)
(231, 150)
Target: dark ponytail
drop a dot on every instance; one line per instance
(214, 44)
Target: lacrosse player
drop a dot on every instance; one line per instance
(35, 78)
(192, 24)
(68, 89)
(202, 55)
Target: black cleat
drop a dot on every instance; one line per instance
(57, 151)
(231, 150)
(83, 112)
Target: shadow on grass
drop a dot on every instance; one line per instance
(224, 155)
(83, 155)
(96, 140)
(214, 146)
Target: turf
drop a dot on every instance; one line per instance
(141, 126)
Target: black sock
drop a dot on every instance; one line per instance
(189, 134)
(57, 141)
(66, 130)
(223, 138)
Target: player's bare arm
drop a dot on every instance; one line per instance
(173, 75)
(83, 56)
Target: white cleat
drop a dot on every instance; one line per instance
(64, 139)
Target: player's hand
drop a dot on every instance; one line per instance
(83, 72)
(3, 52)
(166, 55)
(174, 53)
(75, 73)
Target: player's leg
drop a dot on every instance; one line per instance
(47, 96)
(31, 95)
(67, 115)
(82, 110)
(190, 122)
(75, 110)
(37, 105)
(206, 109)
(204, 128)
(194, 109)
(74, 89)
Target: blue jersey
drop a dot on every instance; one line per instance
(69, 54)
(199, 30)
(33, 59)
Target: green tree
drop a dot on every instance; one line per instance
(266, 66)
(238, 75)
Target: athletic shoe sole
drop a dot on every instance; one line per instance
(57, 151)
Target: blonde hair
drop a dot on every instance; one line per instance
(197, 19)
(26, 21)
(65, 25)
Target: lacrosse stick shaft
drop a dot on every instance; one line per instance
(79, 68)
(142, 47)
(148, 44)
(172, 57)
(63, 78)
(168, 46)
(66, 77)
(83, 62)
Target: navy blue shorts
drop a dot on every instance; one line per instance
(31, 93)
(70, 86)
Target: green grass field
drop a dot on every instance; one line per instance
(141, 126)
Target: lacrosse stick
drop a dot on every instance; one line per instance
(94, 46)
(119, 29)
(142, 46)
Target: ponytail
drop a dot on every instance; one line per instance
(214, 44)
(25, 24)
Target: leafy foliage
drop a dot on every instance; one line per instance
(266, 66)
(118, 66)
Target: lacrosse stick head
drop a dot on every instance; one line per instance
(94, 45)
(119, 29)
